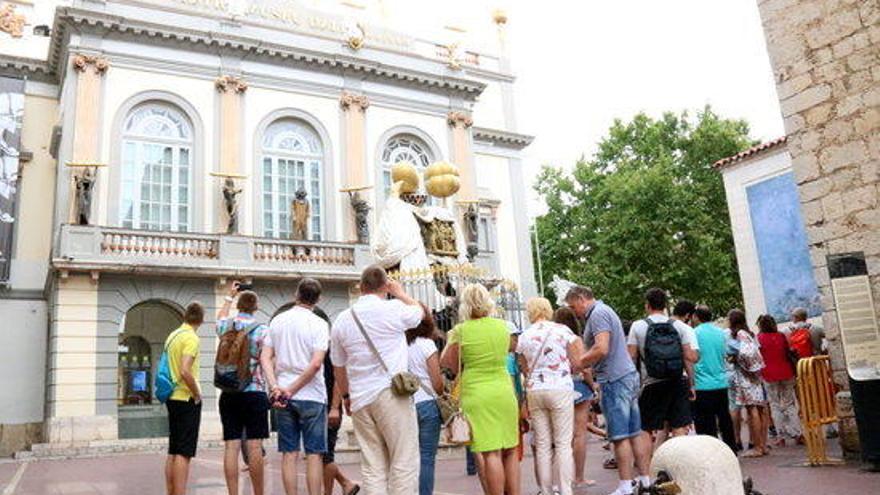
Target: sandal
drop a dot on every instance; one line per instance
(751, 453)
(355, 490)
(584, 483)
(610, 463)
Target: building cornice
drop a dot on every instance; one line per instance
(507, 139)
(29, 67)
(84, 20)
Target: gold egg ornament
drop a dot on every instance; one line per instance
(442, 179)
(405, 172)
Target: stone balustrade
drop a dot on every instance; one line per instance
(111, 249)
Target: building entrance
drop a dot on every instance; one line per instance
(141, 340)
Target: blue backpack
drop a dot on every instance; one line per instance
(164, 384)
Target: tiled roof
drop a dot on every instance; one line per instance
(751, 152)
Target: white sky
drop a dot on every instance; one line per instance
(581, 64)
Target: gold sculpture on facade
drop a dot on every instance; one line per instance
(10, 21)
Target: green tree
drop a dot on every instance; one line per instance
(648, 210)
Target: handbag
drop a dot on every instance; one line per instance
(403, 384)
(456, 427)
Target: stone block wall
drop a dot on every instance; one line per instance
(826, 60)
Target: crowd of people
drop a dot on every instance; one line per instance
(384, 363)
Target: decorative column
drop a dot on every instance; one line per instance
(468, 200)
(462, 154)
(354, 159)
(87, 128)
(231, 90)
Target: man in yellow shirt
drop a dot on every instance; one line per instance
(185, 404)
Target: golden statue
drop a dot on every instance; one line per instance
(442, 179)
(301, 210)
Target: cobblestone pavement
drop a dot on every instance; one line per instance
(141, 474)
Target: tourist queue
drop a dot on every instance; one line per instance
(380, 364)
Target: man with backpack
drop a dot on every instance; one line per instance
(244, 406)
(667, 348)
(804, 338)
(179, 370)
(293, 360)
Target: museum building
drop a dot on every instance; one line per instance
(152, 150)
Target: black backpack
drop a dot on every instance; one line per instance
(663, 355)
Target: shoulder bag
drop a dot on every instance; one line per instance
(403, 384)
(456, 427)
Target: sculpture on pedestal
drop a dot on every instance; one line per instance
(300, 212)
(85, 183)
(471, 220)
(229, 199)
(361, 217)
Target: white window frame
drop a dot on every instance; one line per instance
(311, 154)
(131, 138)
(420, 158)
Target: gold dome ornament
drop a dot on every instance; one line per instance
(442, 179)
(405, 172)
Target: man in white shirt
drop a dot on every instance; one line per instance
(666, 389)
(292, 361)
(385, 424)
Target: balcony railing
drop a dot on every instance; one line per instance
(112, 249)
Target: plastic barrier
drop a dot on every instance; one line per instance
(818, 408)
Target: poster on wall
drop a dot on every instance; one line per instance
(783, 250)
(11, 112)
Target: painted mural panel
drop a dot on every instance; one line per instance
(781, 242)
(11, 112)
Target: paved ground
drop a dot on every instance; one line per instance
(141, 474)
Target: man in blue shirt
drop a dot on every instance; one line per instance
(619, 382)
(711, 408)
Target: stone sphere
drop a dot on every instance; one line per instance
(699, 465)
(406, 172)
(442, 179)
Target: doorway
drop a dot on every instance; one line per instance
(142, 335)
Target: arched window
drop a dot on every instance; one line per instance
(157, 140)
(292, 160)
(404, 148)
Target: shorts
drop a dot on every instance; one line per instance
(184, 419)
(665, 403)
(329, 457)
(244, 412)
(620, 406)
(582, 392)
(304, 420)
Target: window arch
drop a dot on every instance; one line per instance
(406, 148)
(157, 145)
(292, 159)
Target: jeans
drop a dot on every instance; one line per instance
(429, 439)
(620, 406)
(303, 420)
(711, 413)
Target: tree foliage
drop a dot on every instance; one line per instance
(648, 210)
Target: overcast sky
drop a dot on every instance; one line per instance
(581, 64)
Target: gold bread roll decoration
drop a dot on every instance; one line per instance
(441, 179)
(406, 172)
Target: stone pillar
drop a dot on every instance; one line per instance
(354, 157)
(73, 380)
(824, 58)
(87, 124)
(462, 154)
(229, 157)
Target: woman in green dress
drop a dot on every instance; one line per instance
(487, 396)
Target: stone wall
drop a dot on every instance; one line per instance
(825, 55)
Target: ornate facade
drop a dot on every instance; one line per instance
(172, 106)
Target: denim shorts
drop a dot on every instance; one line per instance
(306, 420)
(582, 392)
(620, 406)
